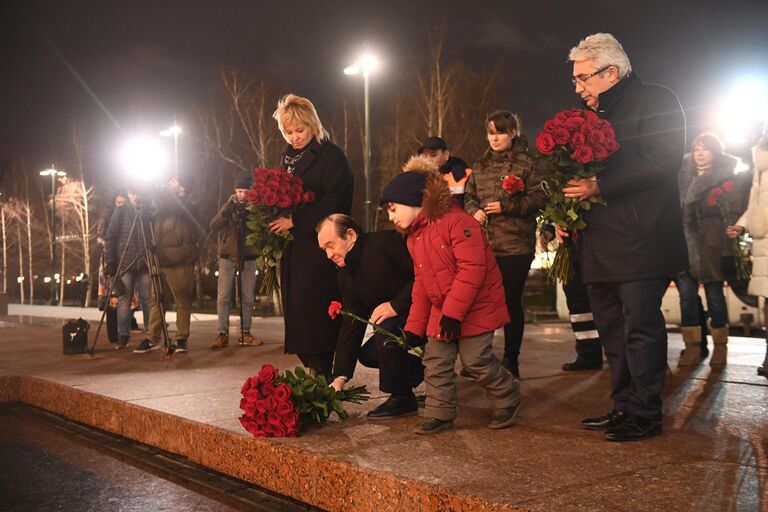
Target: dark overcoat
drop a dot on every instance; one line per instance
(638, 233)
(308, 281)
(376, 270)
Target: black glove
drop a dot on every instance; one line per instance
(413, 339)
(450, 329)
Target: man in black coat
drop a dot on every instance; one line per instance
(376, 279)
(634, 242)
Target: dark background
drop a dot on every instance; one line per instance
(114, 66)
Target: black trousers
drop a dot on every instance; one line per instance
(514, 272)
(634, 334)
(399, 371)
(320, 364)
(588, 346)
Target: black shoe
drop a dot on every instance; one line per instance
(122, 342)
(503, 418)
(181, 346)
(512, 366)
(613, 419)
(394, 407)
(432, 426)
(145, 346)
(762, 370)
(581, 365)
(634, 428)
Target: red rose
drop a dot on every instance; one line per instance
(284, 202)
(551, 125)
(308, 196)
(295, 197)
(598, 137)
(252, 427)
(612, 146)
(261, 420)
(573, 123)
(578, 140)
(270, 199)
(259, 433)
(590, 116)
(712, 200)
(728, 186)
(267, 389)
(583, 155)
(274, 419)
(717, 192)
(607, 129)
(246, 386)
(250, 409)
(243, 403)
(334, 309)
(244, 421)
(267, 374)
(291, 420)
(600, 152)
(284, 408)
(561, 136)
(261, 406)
(252, 395)
(545, 144)
(282, 392)
(512, 184)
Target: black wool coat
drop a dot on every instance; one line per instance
(308, 281)
(378, 269)
(638, 233)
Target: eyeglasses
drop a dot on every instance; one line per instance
(583, 78)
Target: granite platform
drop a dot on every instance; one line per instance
(713, 454)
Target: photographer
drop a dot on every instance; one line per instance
(234, 255)
(176, 235)
(121, 242)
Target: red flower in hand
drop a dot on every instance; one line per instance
(512, 184)
(583, 155)
(728, 186)
(334, 309)
(545, 144)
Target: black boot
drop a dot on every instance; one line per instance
(394, 407)
(581, 364)
(512, 365)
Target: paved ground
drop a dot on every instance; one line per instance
(712, 455)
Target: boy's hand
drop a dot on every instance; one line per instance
(450, 329)
(493, 208)
(480, 216)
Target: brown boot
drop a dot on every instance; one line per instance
(691, 356)
(720, 352)
(246, 340)
(221, 341)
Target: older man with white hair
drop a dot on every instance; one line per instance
(634, 240)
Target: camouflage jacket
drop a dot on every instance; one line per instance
(513, 232)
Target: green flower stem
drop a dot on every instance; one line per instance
(399, 340)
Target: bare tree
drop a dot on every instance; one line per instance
(3, 221)
(72, 201)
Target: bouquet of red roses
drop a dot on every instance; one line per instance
(275, 193)
(280, 405)
(571, 147)
(511, 185)
(720, 197)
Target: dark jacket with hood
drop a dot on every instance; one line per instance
(513, 232)
(638, 233)
(456, 274)
(376, 270)
(704, 227)
(176, 231)
(118, 242)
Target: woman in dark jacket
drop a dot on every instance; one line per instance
(510, 217)
(709, 249)
(308, 281)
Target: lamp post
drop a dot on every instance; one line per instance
(366, 64)
(174, 131)
(53, 173)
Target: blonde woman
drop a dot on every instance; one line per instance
(308, 280)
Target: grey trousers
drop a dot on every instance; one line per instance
(477, 358)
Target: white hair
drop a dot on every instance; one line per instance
(604, 50)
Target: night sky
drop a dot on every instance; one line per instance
(147, 62)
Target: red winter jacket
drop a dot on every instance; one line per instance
(455, 270)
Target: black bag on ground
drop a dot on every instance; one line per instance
(75, 336)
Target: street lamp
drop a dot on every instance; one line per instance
(53, 173)
(366, 64)
(174, 131)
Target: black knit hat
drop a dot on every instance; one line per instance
(244, 180)
(406, 188)
(433, 143)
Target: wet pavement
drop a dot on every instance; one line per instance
(712, 455)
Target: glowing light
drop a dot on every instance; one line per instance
(366, 64)
(20, 279)
(47, 279)
(69, 281)
(741, 109)
(57, 276)
(143, 158)
(52, 172)
(172, 131)
(216, 273)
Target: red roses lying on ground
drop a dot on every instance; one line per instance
(280, 405)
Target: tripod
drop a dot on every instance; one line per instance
(152, 262)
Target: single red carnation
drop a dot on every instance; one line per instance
(583, 155)
(334, 309)
(545, 144)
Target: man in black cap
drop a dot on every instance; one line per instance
(454, 170)
(176, 233)
(235, 257)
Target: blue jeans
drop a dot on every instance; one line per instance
(143, 287)
(225, 290)
(688, 288)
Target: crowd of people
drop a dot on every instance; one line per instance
(454, 269)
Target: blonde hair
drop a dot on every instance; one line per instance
(292, 108)
(604, 50)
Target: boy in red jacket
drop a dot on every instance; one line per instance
(458, 295)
